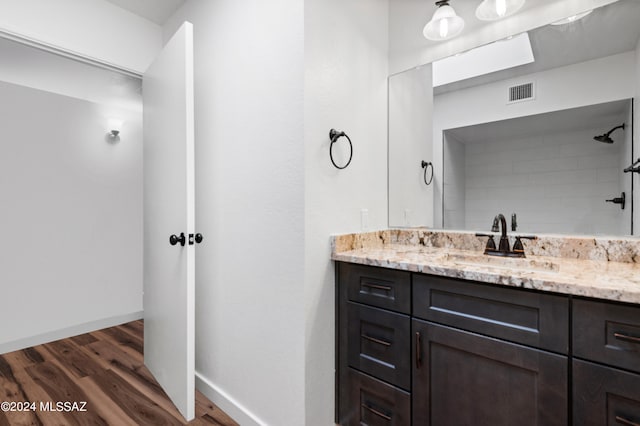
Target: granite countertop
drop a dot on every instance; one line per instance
(586, 273)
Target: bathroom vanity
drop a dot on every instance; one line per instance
(428, 334)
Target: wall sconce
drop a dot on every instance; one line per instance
(444, 24)
(114, 126)
(492, 10)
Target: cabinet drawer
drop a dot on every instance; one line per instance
(533, 319)
(379, 343)
(384, 288)
(607, 333)
(604, 396)
(375, 403)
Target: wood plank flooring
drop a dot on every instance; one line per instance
(104, 368)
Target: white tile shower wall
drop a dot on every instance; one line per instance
(553, 182)
(608, 79)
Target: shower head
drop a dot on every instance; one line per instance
(603, 138)
(606, 138)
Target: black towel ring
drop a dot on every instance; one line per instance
(334, 135)
(426, 166)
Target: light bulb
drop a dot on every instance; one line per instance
(491, 10)
(444, 28)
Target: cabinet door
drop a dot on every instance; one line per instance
(608, 333)
(604, 396)
(462, 378)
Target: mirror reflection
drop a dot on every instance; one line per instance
(542, 139)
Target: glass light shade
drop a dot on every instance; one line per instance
(491, 10)
(444, 25)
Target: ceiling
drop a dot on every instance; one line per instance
(157, 11)
(607, 31)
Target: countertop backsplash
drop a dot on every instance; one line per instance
(602, 248)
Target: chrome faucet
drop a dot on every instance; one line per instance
(504, 240)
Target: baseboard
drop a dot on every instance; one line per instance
(63, 333)
(226, 403)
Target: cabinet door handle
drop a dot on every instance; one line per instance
(374, 340)
(376, 412)
(377, 287)
(418, 350)
(631, 339)
(626, 422)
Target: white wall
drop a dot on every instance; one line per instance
(454, 192)
(346, 88)
(250, 321)
(35, 68)
(94, 28)
(71, 216)
(410, 133)
(587, 83)
(556, 182)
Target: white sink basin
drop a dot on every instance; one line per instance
(513, 263)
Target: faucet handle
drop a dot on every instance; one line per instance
(495, 227)
(518, 247)
(491, 244)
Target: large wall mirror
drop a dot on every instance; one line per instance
(541, 138)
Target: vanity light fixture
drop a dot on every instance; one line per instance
(573, 18)
(444, 24)
(492, 10)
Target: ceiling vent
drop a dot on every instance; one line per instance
(522, 92)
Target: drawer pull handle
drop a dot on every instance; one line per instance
(631, 339)
(374, 340)
(418, 350)
(626, 422)
(376, 412)
(377, 287)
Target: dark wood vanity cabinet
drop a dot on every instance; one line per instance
(463, 378)
(606, 364)
(425, 350)
(373, 331)
(471, 365)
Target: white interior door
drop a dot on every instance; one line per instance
(169, 287)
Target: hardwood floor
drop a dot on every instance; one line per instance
(104, 369)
